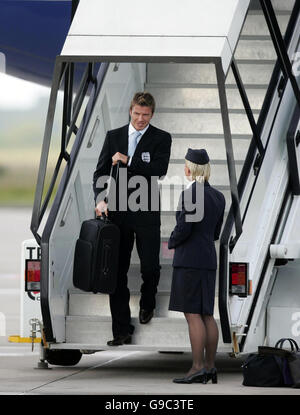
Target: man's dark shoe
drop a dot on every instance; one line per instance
(145, 316)
(119, 340)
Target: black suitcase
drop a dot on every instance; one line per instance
(96, 256)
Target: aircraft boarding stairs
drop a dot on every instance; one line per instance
(188, 106)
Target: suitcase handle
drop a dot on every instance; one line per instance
(104, 218)
(106, 254)
(114, 174)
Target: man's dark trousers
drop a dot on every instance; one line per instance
(148, 247)
(144, 224)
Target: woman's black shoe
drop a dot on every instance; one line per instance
(198, 377)
(212, 375)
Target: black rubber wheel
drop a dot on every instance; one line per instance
(63, 357)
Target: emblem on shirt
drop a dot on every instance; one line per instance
(146, 157)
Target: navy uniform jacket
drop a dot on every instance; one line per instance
(156, 144)
(194, 241)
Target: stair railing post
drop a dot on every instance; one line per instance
(229, 148)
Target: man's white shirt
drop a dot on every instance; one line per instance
(132, 130)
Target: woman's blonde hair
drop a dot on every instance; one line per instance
(199, 172)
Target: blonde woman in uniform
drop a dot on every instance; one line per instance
(194, 267)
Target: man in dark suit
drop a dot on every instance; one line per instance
(143, 153)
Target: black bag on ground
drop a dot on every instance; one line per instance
(96, 256)
(293, 360)
(273, 366)
(263, 370)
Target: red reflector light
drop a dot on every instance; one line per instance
(238, 274)
(239, 278)
(32, 275)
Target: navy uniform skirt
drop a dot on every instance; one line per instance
(193, 290)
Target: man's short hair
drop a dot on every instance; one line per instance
(144, 99)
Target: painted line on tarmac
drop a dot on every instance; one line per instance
(114, 359)
(81, 371)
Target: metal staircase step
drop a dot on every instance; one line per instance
(212, 85)
(282, 5)
(253, 73)
(200, 123)
(213, 146)
(204, 99)
(89, 304)
(255, 49)
(97, 330)
(255, 24)
(207, 136)
(93, 332)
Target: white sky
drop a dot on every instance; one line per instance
(18, 94)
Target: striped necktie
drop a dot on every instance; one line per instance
(133, 142)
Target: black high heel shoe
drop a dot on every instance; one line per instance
(212, 375)
(198, 377)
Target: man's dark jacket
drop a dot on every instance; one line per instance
(151, 158)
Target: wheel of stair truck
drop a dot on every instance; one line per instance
(63, 357)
